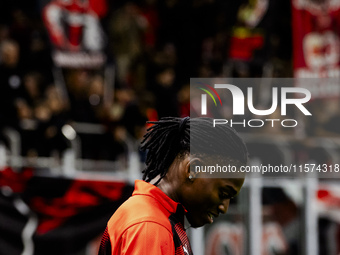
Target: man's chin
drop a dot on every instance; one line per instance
(194, 222)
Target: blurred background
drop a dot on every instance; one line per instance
(80, 78)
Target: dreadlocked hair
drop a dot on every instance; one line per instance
(163, 141)
(170, 137)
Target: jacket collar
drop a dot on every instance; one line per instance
(147, 189)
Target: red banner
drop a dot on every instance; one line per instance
(316, 47)
(55, 215)
(75, 32)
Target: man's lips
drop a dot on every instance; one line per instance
(211, 216)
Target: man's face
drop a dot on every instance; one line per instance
(206, 198)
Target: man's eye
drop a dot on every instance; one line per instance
(224, 195)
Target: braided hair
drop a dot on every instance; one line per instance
(171, 136)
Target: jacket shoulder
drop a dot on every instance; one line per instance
(138, 209)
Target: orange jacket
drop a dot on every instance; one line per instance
(149, 222)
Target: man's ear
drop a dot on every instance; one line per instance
(191, 167)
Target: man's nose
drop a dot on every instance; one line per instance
(223, 207)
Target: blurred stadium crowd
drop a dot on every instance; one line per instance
(155, 46)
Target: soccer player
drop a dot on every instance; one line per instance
(151, 221)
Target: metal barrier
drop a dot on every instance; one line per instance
(71, 163)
